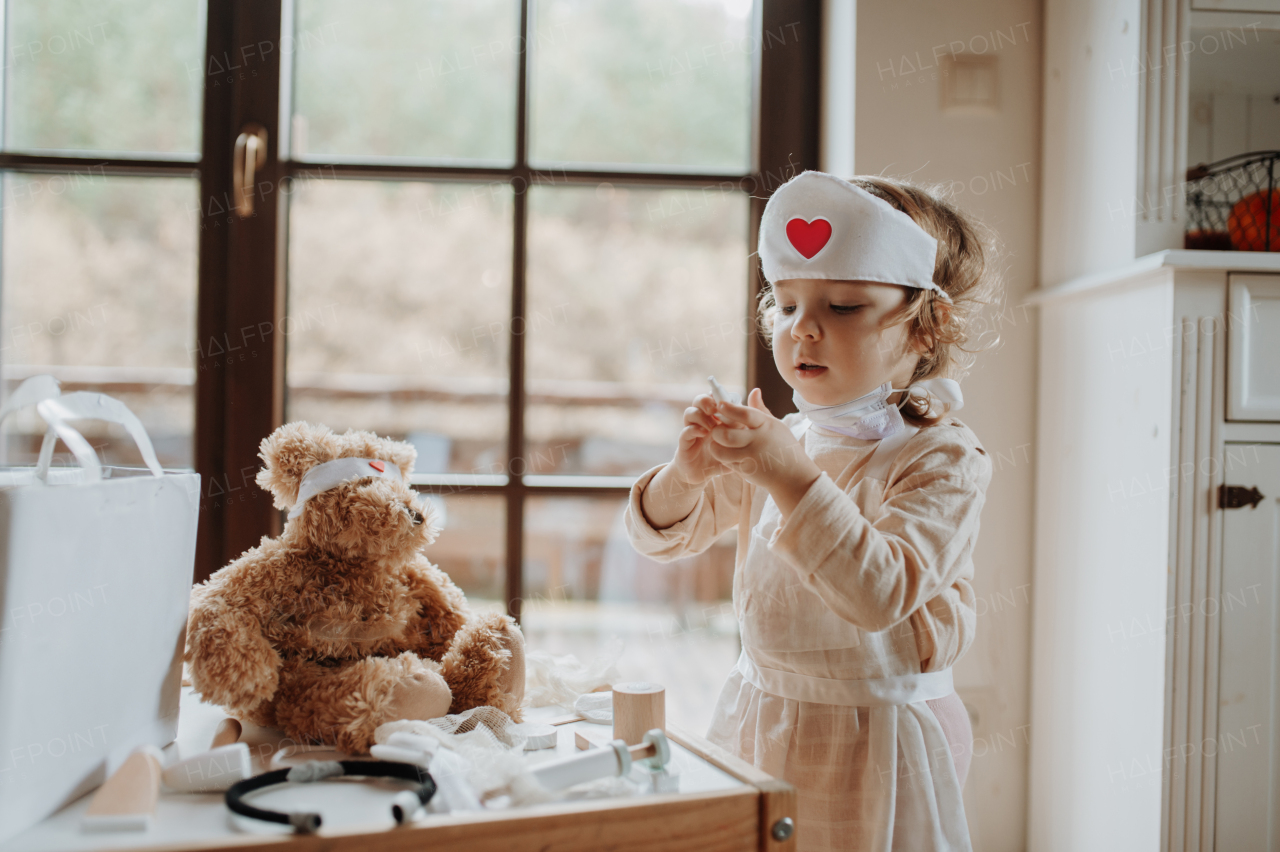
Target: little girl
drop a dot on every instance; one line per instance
(856, 517)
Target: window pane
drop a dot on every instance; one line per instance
(653, 82)
(100, 291)
(124, 75)
(397, 320)
(635, 297)
(406, 78)
(471, 547)
(586, 588)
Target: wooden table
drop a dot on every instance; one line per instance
(706, 801)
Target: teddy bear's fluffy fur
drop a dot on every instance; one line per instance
(341, 623)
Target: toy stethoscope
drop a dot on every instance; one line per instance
(403, 806)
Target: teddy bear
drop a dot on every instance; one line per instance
(341, 624)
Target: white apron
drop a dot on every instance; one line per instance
(910, 793)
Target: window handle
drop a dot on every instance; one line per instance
(250, 155)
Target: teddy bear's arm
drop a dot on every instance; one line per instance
(231, 661)
(442, 610)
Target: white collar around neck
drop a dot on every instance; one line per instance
(871, 417)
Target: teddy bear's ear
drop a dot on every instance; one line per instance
(367, 445)
(289, 452)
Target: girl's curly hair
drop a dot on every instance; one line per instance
(965, 268)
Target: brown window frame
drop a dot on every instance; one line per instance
(241, 296)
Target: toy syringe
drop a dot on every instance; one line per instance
(720, 394)
(614, 759)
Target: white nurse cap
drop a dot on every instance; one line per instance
(819, 226)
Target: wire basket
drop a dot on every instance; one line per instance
(1234, 204)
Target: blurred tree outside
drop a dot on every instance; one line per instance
(405, 78)
(104, 75)
(654, 82)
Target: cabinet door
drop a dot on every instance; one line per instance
(1236, 5)
(1248, 760)
(1253, 330)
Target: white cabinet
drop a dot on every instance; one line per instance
(1247, 812)
(1253, 363)
(1142, 679)
(1130, 88)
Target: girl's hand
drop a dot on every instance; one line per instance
(675, 489)
(759, 447)
(693, 463)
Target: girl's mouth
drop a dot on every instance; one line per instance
(810, 370)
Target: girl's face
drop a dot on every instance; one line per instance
(829, 342)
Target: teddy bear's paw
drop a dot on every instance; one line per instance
(512, 681)
(421, 695)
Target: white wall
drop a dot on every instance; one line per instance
(992, 163)
(1094, 75)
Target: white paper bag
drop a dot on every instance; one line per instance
(95, 572)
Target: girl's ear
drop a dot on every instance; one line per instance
(943, 310)
(920, 341)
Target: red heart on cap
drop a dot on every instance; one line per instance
(809, 238)
(378, 466)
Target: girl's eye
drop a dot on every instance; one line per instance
(787, 309)
(845, 309)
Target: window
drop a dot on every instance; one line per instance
(516, 234)
(101, 139)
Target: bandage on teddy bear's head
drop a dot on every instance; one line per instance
(375, 515)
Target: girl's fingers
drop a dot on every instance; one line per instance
(741, 415)
(731, 437)
(706, 402)
(708, 406)
(697, 417)
(698, 457)
(724, 456)
(691, 434)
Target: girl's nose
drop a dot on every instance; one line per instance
(803, 326)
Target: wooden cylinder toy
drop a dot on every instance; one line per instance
(228, 732)
(638, 708)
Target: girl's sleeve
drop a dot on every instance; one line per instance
(716, 511)
(877, 575)
(945, 626)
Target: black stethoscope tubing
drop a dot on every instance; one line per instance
(308, 822)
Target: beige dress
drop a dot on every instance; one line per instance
(851, 615)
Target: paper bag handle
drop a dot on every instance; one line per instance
(84, 405)
(33, 390)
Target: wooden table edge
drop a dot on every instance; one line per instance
(777, 797)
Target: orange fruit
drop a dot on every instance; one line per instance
(1247, 223)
